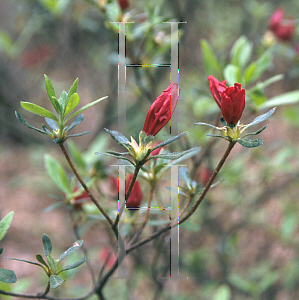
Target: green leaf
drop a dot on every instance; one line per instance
(21, 119)
(47, 245)
(40, 259)
(210, 60)
(48, 132)
(260, 118)
(250, 73)
(241, 52)
(174, 155)
(76, 122)
(79, 134)
(71, 103)
(49, 87)
(57, 174)
(232, 74)
(62, 100)
(1, 250)
(5, 223)
(73, 88)
(75, 246)
(85, 107)
(26, 261)
(212, 126)
(74, 265)
(116, 156)
(55, 281)
(257, 96)
(283, 99)
(170, 140)
(250, 143)
(118, 137)
(51, 263)
(184, 174)
(38, 110)
(255, 133)
(7, 276)
(223, 292)
(51, 95)
(76, 155)
(241, 284)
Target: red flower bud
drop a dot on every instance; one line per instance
(231, 100)
(136, 194)
(124, 4)
(161, 110)
(283, 29)
(276, 18)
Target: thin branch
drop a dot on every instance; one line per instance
(137, 168)
(84, 185)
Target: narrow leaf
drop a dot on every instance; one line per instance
(76, 122)
(55, 281)
(47, 131)
(1, 250)
(116, 156)
(53, 125)
(5, 223)
(210, 60)
(118, 137)
(47, 245)
(85, 107)
(57, 174)
(38, 110)
(174, 155)
(255, 133)
(283, 99)
(212, 126)
(184, 174)
(172, 139)
(79, 134)
(250, 143)
(7, 276)
(74, 265)
(21, 119)
(62, 100)
(26, 261)
(49, 87)
(75, 246)
(40, 259)
(71, 103)
(51, 263)
(74, 87)
(51, 95)
(261, 118)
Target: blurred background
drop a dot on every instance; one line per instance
(242, 242)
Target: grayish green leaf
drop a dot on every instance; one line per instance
(47, 245)
(75, 246)
(250, 143)
(55, 281)
(7, 276)
(22, 120)
(261, 118)
(283, 99)
(118, 137)
(53, 125)
(76, 122)
(74, 265)
(170, 140)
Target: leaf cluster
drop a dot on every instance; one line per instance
(51, 265)
(64, 107)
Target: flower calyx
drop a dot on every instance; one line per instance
(233, 133)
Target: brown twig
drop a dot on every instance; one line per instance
(90, 195)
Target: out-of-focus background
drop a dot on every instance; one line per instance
(242, 242)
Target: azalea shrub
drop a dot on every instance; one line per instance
(169, 208)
